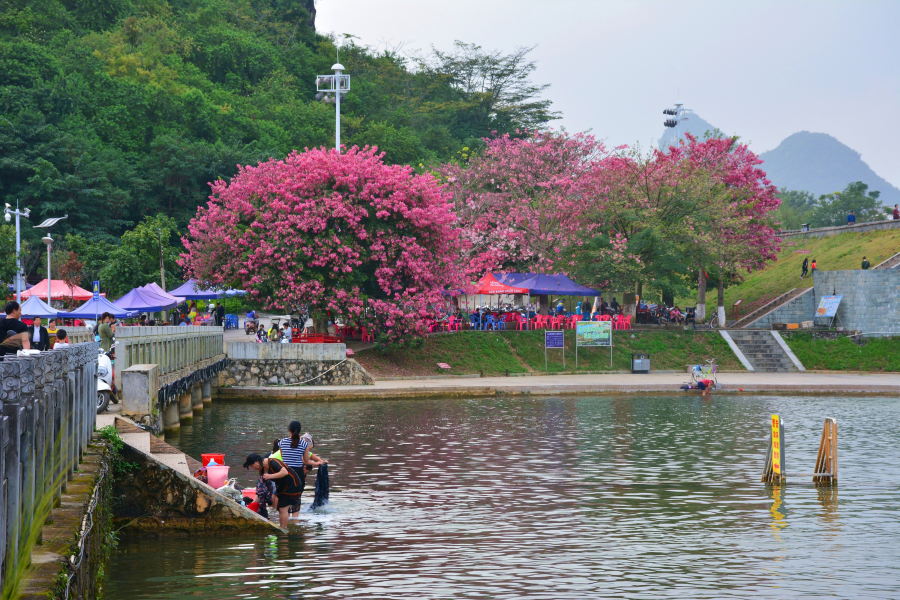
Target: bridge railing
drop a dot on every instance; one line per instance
(171, 348)
(49, 410)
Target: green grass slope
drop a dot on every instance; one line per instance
(521, 351)
(839, 252)
(842, 354)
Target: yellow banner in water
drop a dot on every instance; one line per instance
(776, 444)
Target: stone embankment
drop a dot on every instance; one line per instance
(160, 496)
(262, 365)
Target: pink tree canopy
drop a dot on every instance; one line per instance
(343, 234)
(523, 199)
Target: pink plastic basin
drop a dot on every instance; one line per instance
(216, 476)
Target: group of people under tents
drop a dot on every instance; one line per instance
(282, 474)
(17, 333)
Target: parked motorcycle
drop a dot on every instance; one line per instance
(106, 384)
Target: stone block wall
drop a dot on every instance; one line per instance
(870, 302)
(801, 308)
(262, 373)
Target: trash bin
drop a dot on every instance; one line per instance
(640, 363)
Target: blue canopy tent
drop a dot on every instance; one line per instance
(93, 308)
(35, 307)
(189, 290)
(144, 300)
(539, 284)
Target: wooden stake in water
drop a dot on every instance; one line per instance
(826, 471)
(775, 471)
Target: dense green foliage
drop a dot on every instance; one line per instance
(829, 210)
(114, 111)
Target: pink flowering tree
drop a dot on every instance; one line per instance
(339, 234)
(669, 214)
(523, 200)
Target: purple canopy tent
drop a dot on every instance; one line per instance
(154, 287)
(189, 290)
(144, 300)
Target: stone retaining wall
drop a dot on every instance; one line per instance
(795, 310)
(870, 302)
(262, 373)
(829, 231)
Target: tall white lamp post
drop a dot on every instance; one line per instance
(332, 88)
(47, 224)
(8, 216)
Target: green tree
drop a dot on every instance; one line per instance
(136, 261)
(7, 254)
(832, 209)
(797, 208)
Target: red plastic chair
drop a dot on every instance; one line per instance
(365, 336)
(626, 322)
(605, 318)
(451, 324)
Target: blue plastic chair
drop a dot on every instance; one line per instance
(231, 322)
(476, 323)
(489, 320)
(500, 323)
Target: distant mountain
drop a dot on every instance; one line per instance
(819, 163)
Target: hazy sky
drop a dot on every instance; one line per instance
(762, 70)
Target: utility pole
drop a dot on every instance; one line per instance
(9, 212)
(679, 113)
(47, 224)
(162, 266)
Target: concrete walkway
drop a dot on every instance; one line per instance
(555, 385)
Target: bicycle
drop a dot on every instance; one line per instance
(707, 371)
(713, 322)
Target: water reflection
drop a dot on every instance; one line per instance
(550, 498)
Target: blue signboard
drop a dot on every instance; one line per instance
(553, 339)
(96, 290)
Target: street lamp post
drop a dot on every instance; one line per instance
(680, 115)
(338, 85)
(47, 224)
(8, 216)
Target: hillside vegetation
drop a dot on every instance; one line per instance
(839, 252)
(113, 110)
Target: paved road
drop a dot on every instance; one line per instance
(579, 384)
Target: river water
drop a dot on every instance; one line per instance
(627, 497)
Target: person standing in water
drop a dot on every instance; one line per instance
(295, 452)
(706, 385)
(288, 484)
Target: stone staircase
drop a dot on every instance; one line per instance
(768, 307)
(763, 351)
(891, 263)
(141, 440)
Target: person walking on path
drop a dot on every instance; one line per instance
(38, 335)
(813, 266)
(865, 264)
(805, 268)
(851, 219)
(896, 212)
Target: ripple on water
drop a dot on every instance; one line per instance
(550, 498)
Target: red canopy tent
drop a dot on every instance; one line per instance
(489, 285)
(59, 289)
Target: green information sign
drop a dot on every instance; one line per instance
(593, 334)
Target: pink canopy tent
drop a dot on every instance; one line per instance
(59, 290)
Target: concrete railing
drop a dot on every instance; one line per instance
(172, 349)
(49, 410)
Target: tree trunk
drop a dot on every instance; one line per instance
(721, 301)
(701, 296)
(320, 325)
(640, 291)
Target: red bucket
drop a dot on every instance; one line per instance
(219, 458)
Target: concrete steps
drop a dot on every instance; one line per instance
(763, 351)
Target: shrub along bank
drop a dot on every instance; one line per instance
(841, 353)
(493, 353)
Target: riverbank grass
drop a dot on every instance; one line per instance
(843, 354)
(493, 353)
